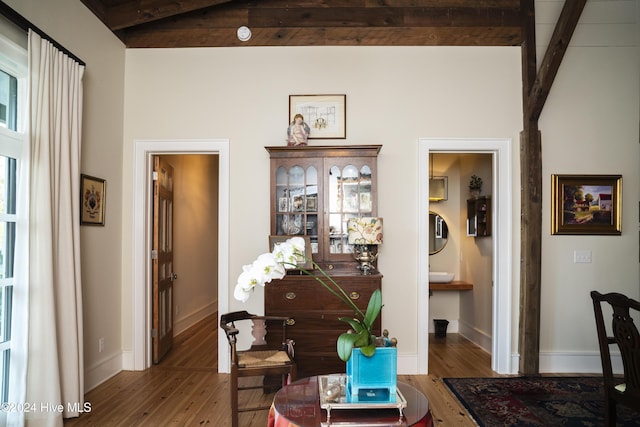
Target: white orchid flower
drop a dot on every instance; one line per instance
(298, 245)
(241, 294)
(250, 277)
(270, 267)
(284, 253)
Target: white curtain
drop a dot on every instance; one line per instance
(54, 372)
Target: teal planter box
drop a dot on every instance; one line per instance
(372, 379)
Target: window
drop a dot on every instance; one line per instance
(13, 142)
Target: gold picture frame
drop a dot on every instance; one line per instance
(326, 115)
(304, 263)
(92, 200)
(586, 204)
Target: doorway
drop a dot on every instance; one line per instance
(190, 251)
(141, 355)
(500, 149)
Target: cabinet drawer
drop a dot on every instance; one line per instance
(318, 322)
(314, 334)
(298, 293)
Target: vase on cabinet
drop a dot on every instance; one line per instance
(374, 378)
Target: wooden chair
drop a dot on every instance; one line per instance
(625, 334)
(264, 358)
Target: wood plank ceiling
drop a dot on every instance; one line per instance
(213, 23)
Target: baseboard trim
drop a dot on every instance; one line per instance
(185, 322)
(476, 336)
(102, 371)
(576, 362)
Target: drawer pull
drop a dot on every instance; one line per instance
(290, 295)
(291, 321)
(330, 267)
(354, 295)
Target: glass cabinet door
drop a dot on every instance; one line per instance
(349, 196)
(296, 196)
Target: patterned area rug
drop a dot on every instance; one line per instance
(536, 401)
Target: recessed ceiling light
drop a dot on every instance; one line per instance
(244, 33)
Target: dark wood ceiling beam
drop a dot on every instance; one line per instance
(334, 26)
(132, 13)
(558, 44)
(383, 17)
(434, 36)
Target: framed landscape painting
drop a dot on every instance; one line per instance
(586, 204)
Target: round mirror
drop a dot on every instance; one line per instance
(438, 233)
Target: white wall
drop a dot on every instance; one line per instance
(395, 96)
(71, 24)
(476, 308)
(590, 126)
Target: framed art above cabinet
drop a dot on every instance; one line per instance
(315, 190)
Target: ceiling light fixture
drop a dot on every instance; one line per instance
(244, 33)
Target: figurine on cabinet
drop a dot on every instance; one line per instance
(298, 132)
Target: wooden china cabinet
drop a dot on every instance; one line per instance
(314, 192)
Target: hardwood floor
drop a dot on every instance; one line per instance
(186, 390)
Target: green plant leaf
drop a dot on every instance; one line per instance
(368, 350)
(345, 345)
(355, 324)
(374, 308)
(364, 338)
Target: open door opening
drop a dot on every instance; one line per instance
(501, 248)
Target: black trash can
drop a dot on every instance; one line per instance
(441, 327)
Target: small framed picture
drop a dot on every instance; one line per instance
(325, 114)
(92, 200)
(298, 203)
(312, 203)
(302, 262)
(586, 204)
(283, 204)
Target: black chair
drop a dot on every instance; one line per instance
(266, 357)
(624, 390)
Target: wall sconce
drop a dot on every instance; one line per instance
(438, 188)
(365, 234)
(438, 185)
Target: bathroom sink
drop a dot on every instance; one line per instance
(440, 277)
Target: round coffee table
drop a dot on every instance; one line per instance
(298, 404)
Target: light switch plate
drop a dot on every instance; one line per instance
(582, 257)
